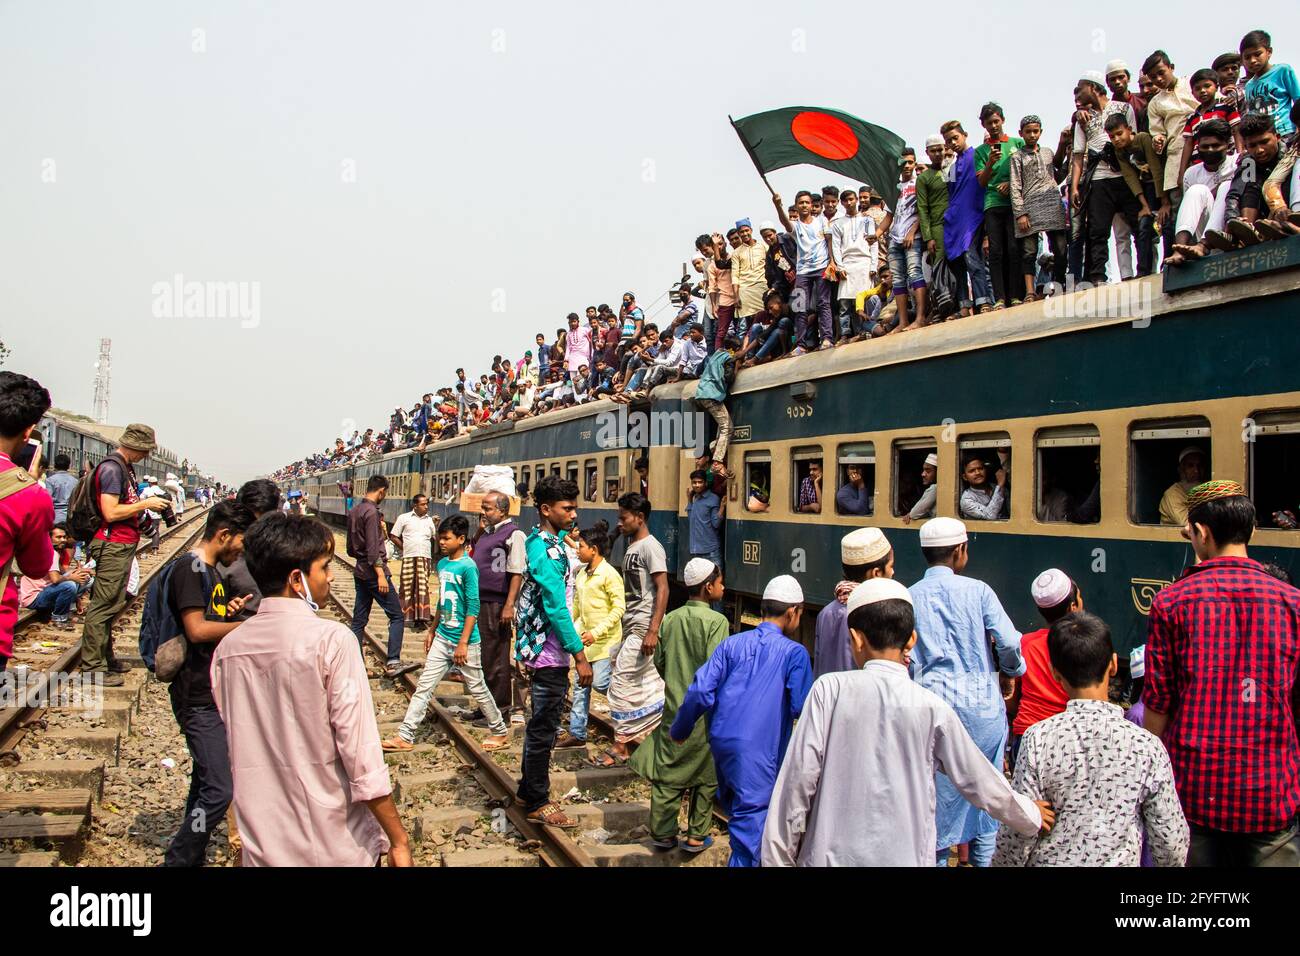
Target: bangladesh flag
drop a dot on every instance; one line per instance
(830, 139)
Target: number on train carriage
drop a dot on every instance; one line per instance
(758, 481)
(1164, 453)
(855, 485)
(808, 483)
(909, 485)
(992, 450)
(1068, 474)
(1273, 472)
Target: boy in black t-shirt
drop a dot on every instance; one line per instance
(199, 599)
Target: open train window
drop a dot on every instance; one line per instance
(855, 486)
(611, 478)
(555, 470)
(807, 481)
(590, 484)
(915, 474)
(980, 497)
(1068, 474)
(1167, 457)
(571, 473)
(522, 485)
(1274, 472)
(758, 481)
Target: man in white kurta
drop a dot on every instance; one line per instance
(857, 787)
(853, 241)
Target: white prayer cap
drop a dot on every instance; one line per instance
(863, 546)
(934, 139)
(942, 532)
(1051, 588)
(767, 224)
(150, 478)
(932, 460)
(1189, 450)
(877, 589)
(170, 476)
(1117, 66)
(1137, 661)
(1093, 76)
(697, 571)
(783, 589)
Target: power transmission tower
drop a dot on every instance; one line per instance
(103, 370)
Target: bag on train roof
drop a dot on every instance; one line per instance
(163, 645)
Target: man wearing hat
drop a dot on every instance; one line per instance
(1038, 695)
(1096, 186)
(955, 617)
(687, 638)
(1118, 79)
(924, 507)
(751, 689)
(112, 548)
(932, 198)
(748, 271)
(1222, 658)
(1191, 472)
(865, 554)
(858, 783)
(153, 490)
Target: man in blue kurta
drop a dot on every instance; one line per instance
(955, 618)
(751, 689)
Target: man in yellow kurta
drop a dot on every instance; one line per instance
(1191, 472)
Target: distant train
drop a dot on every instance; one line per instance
(1064, 395)
(86, 448)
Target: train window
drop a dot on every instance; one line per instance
(983, 457)
(1274, 474)
(915, 473)
(806, 486)
(758, 480)
(555, 470)
(611, 478)
(1167, 458)
(522, 485)
(571, 473)
(590, 481)
(1068, 474)
(855, 486)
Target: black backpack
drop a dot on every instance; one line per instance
(84, 517)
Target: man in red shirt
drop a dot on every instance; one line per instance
(112, 548)
(26, 511)
(1038, 695)
(1223, 652)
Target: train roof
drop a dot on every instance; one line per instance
(106, 433)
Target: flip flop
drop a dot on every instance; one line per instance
(691, 848)
(1218, 239)
(553, 816)
(396, 745)
(665, 845)
(489, 746)
(1244, 232)
(1270, 230)
(616, 760)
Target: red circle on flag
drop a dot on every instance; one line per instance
(827, 136)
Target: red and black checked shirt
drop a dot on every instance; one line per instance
(1223, 647)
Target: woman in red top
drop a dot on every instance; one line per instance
(1038, 695)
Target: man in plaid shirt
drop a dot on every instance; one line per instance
(1223, 647)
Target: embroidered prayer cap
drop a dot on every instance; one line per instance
(932, 460)
(1137, 662)
(697, 571)
(874, 590)
(741, 223)
(1190, 450)
(1030, 118)
(934, 139)
(765, 225)
(942, 533)
(864, 546)
(1051, 587)
(1117, 66)
(1212, 489)
(783, 589)
(1094, 77)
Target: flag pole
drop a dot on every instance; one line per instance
(750, 153)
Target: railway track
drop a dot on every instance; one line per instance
(449, 777)
(60, 741)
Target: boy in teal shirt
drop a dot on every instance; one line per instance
(454, 641)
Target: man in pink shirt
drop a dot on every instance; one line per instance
(311, 785)
(26, 511)
(577, 346)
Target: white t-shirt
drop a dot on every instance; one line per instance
(1094, 138)
(416, 534)
(814, 257)
(905, 212)
(1212, 179)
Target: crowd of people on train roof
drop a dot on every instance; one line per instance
(1191, 163)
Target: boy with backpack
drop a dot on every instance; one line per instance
(190, 598)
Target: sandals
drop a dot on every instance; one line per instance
(614, 760)
(1218, 240)
(1270, 229)
(696, 847)
(1244, 232)
(395, 745)
(496, 742)
(664, 845)
(552, 816)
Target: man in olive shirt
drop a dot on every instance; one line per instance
(371, 576)
(932, 199)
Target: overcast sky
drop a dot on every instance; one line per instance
(412, 186)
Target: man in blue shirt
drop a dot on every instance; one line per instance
(955, 617)
(60, 484)
(705, 515)
(751, 690)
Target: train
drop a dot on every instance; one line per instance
(87, 444)
(1103, 387)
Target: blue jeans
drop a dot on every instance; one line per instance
(367, 593)
(905, 266)
(57, 599)
(601, 671)
(981, 850)
(771, 336)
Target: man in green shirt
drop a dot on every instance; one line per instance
(932, 199)
(687, 638)
(993, 170)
